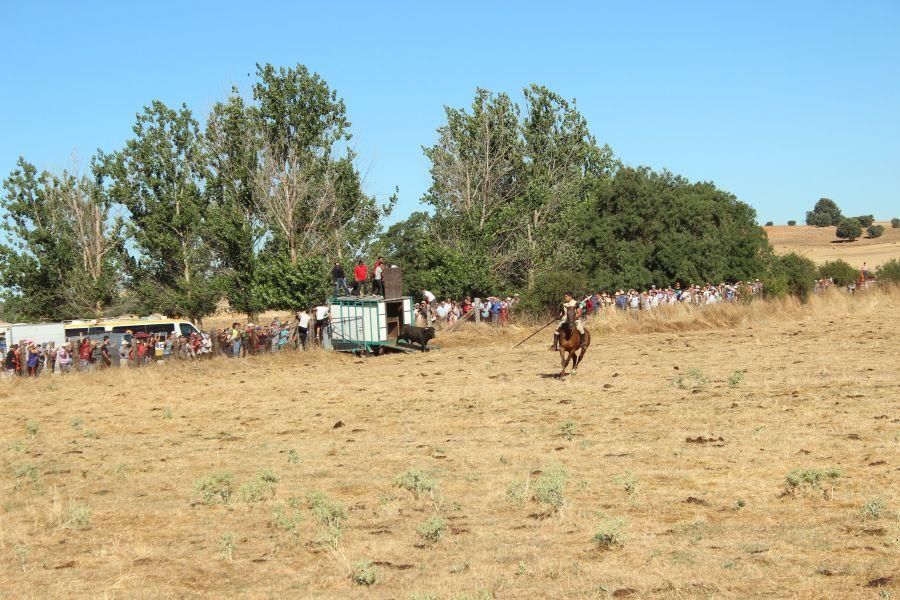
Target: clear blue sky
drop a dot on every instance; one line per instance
(779, 103)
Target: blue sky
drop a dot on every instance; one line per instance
(780, 103)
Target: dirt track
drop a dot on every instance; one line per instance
(686, 437)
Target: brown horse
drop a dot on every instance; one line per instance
(569, 343)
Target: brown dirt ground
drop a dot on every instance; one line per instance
(819, 390)
(821, 244)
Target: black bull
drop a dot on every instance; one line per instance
(420, 335)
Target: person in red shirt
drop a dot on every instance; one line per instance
(361, 275)
(85, 352)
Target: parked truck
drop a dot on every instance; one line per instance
(37, 333)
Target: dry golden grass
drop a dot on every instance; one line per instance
(98, 472)
(821, 244)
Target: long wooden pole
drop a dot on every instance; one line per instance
(550, 322)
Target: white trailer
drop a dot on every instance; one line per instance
(37, 333)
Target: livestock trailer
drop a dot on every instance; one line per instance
(368, 323)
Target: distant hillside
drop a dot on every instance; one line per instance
(821, 244)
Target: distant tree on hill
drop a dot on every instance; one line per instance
(769, 223)
(895, 223)
(849, 229)
(865, 220)
(791, 223)
(824, 213)
(875, 231)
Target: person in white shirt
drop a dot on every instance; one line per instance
(303, 319)
(428, 296)
(321, 322)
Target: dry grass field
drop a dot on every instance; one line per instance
(821, 244)
(732, 453)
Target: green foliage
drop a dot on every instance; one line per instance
(261, 487)
(810, 478)
(227, 545)
(895, 223)
(550, 487)
(694, 378)
(518, 492)
(283, 285)
(628, 481)
(293, 457)
(840, 271)
(546, 295)
(825, 213)
(432, 530)
(848, 229)
(76, 516)
(791, 223)
(873, 508)
(363, 573)
(646, 227)
(32, 427)
(325, 511)
(771, 223)
(875, 231)
(865, 220)
(416, 481)
(889, 271)
(735, 379)
(568, 430)
(62, 251)
(610, 533)
(215, 488)
(790, 274)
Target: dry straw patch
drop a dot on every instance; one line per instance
(669, 491)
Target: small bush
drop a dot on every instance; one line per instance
(363, 573)
(75, 422)
(610, 533)
(790, 274)
(325, 511)
(840, 271)
(215, 488)
(77, 516)
(293, 457)
(432, 531)
(628, 481)
(848, 229)
(873, 509)
(285, 518)
(32, 427)
(769, 223)
(735, 379)
(810, 478)
(226, 545)
(550, 488)
(889, 271)
(692, 379)
(416, 481)
(875, 231)
(865, 220)
(895, 223)
(792, 223)
(27, 472)
(261, 487)
(517, 492)
(568, 430)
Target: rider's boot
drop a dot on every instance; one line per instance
(555, 341)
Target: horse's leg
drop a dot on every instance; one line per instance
(578, 360)
(563, 361)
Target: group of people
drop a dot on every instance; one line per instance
(239, 340)
(366, 280)
(649, 299)
(31, 359)
(431, 312)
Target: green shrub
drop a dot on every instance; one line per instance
(261, 487)
(610, 533)
(363, 573)
(215, 488)
(818, 219)
(840, 271)
(889, 271)
(873, 509)
(848, 229)
(416, 481)
(432, 531)
(810, 478)
(791, 223)
(550, 488)
(77, 516)
(735, 379)
(325, 511)
(628, 481)
(865, 220)
(769, 223)
(548, 290)
(790, 274)
(32, 427)
(568, 430)
(226, 545)
(517, 492)
(875, 231)
(895, 223)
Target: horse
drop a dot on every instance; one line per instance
(569, 343)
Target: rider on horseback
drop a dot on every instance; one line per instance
(570, 316)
